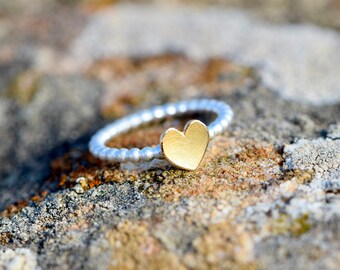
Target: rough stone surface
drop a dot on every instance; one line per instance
(62, 110)
(20, 258)
(334, 132)
(266, 195)
(320, 155)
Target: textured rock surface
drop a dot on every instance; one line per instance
(62, 110)
(267, 193)
(319, 155)
(20, 258)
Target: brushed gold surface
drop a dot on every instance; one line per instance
(185, 149)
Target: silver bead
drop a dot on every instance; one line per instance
(135, 121)
(133, 155)
(211, 134)
(157, 151)
(204, 105)
(218, 128)
(158, 112)
(146, 154)
(181, 107)
(170, 109)
(146, 116)
(224, 122)
(112, 154)
(192, 106)
(122, 154)
(102, 153)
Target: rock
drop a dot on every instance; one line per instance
(63, 109)
(18, 259)
(101, 205)
(8, 125)
(267, 192)
(320, 155)
(274, 50)
(78, 189)
(10, 71)
(334, 132)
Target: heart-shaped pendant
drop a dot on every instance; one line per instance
(185, 149)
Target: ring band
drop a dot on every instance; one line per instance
(100, 150)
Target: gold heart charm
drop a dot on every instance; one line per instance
(185, 149)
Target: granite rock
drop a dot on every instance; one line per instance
(21, 258)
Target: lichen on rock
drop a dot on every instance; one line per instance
(320, 155)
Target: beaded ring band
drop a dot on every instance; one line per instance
(183, 149)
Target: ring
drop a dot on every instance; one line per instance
(184, 150)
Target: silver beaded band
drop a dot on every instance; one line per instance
(99, 149)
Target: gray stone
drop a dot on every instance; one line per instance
(18, 259)
(334, 132)
(320, 155)
(63, 109)
(300, 250)
(8, 125)
(10, 71)
(61, 220)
